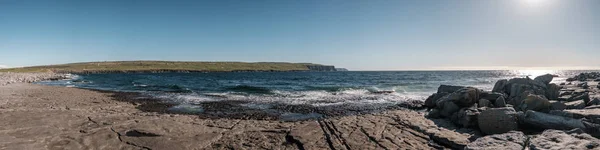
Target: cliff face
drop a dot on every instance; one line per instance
(321, 68)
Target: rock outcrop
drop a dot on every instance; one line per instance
(521, 104)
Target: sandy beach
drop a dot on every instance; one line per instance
(44, 117)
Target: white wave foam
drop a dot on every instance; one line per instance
(315, 98)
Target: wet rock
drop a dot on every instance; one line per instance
(580, 104)
(546, 79)
(553, 91)
(500, 102)
(466, 96)
(556, 105)
(484, 103)
(449, 88)
(499, 86)
(535, 102)
(555, 139)
(513, 140)
(548, 121)
(498, 120)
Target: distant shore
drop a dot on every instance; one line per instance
(172, 66)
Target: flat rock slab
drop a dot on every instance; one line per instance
(559, 140)
(585, 113)
(43, 117)
(513, 140)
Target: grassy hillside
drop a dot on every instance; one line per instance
(162, 66)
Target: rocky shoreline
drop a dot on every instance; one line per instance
(519, 113)
(9, 78)
(522, 108)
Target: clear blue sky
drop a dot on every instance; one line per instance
(356, 34)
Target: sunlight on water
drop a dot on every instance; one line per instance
(534, 73)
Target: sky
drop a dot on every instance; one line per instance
(354, 34)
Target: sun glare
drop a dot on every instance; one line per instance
(534, 73)
(533, 2)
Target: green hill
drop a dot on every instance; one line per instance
(165, 66)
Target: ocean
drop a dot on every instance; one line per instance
(356, 90)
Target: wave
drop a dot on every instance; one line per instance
(163, 88)
(249, 89)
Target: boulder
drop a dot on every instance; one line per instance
(595, 101)
(548, 121)
(466, 117)
(518, 92)
(583, 85)
(546, 79)
(580, 104)
(553, 91)
(464, 97)
(499, 86)
(431, 101)
(513, 140)
(434, 113)
(448, 108)
(500, 102)
(484, 103)
(556, 105)
(585, 96)
(497, 120)
(555, 139)
(449, 88)
(535, 103)
(491, 95)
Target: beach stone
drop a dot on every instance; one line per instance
(553, 91)
(499, 86)
(498, 120)
(535, 102)
(500, 102)
(580, 104)
(556, 105)
(546, 79)
(559, 140)
(484, 103)
(513, 140)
